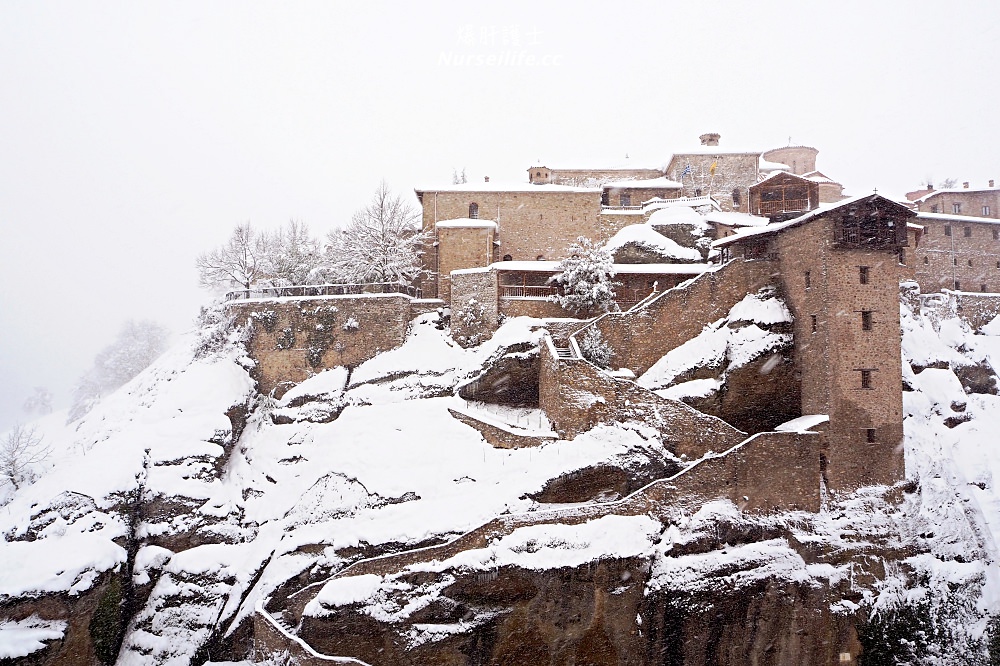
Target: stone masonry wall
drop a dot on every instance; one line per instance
(460, 248)
(640, 337)
(976, 309)
(971, 202)
(732, 172)
(957, 261)
(497, 437)
(471, 323)
(294, 338)
(576, 396)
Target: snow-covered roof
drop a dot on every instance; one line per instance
(505, 187)
(734, 219)
(647, 183)
(647, 238)
(956, 190)
(775, 174)
(949, 217)
(819, 177)
(714, 150)
(467, 222)
(651, 269)
(767, 165)
(774, 228)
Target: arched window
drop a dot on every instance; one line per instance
(507, 257)
(697, 192)
(736, 196)
(474, 211)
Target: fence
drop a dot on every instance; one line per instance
(325, 290)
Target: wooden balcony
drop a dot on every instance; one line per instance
(783, 206)
(526, 291)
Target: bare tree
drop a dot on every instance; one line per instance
(240, 262)
(20, 451)
(39, 402)
(381, 243)
(138, 344)
(292, 256)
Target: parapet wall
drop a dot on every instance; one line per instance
(976, 309)
(644, 334)
(294, 338)
(576, 396)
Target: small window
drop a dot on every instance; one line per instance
(736, 196)
(866, 320)
(967, 232)
(982, 288)
(986, 211)
(970, 263)
(538, 174)
(815, 323)
(808, 280)
(902, 256)
(866, 379)
(625, 199)
(697, 192)
(947, 230)
(870, 435)
(925, 261)
(954, 261)
(958, 285)
(863, 274)
(474, 211)
(956, 208)
(996, 233)
(507, 257)
(540, 257)
(935, 208)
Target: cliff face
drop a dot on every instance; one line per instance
(184, 500)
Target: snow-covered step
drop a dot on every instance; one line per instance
(564, 352)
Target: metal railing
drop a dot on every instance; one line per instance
(785, 205)
(325, 290)
(523, 291)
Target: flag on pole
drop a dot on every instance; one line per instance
(711, 169)
(687, 171)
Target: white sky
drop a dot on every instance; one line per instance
(135, 135)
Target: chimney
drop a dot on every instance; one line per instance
(930, 187)
(711, 139)
(991, 182)
(965, 184)
(487, 178)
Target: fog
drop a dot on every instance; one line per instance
(134, 136)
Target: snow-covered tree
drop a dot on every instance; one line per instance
(586, 279)
(39, 402)
(138, 344)
(291, 256)
(240, 263)
(21, 450)
(381, 243)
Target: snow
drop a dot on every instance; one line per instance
(327, 382)
(734, 219)
(71, 566)
(678, 215)
(466, 222)
(803, 423)
(349, 590)
(642, 269)
(646, 238)
(499, 186)
(19, 638)
(647, 183)
(765, 165)
(948, 217)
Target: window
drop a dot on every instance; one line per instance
(956, 208)
(540, 257)
(958, 285)
(954, 261)
(970, 263)
(474, 211)
(982, 287)
(507, 257)
(697, 192)
(996, 233)
(736, 196)
(863, 274)
(624, 199)
(808, 280)
(815, 323)
(986, 211)
(866, 379)
(967, 232)
(947, 230)
(925, 261)
(870, 435)
(935, 208)
(902, 256)
(866, 320)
